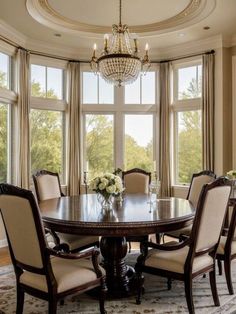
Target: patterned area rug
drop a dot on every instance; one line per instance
(157, 299)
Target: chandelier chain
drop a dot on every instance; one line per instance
(120, 12)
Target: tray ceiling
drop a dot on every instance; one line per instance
(96, 17)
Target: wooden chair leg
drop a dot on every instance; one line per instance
(188, 294)
(219, 263)
(227, 267)
(20, 300)
(169, 283)
(158, 238)
(214, 288)
(129, 247)
(140, 287)
(102, 296)
(52, 306)
(102, 302)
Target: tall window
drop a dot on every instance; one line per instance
(119, 123)
(5, 117)
(47, 119)
(187, 121)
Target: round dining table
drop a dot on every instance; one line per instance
(136, 215)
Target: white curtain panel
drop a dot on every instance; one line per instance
(23, 109)
(208, 111)
(165, 170)
(74, 129)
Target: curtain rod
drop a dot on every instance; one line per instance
(187, 56)
(38, 53)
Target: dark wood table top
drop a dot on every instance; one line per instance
(83, 215)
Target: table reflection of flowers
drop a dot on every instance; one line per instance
(106, 186)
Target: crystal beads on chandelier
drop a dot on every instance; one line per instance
(119, 64)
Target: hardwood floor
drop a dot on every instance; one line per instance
(4, 257)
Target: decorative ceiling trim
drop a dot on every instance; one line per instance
(43, 12)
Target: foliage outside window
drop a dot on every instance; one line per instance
(46, 140)
(188, 127)
(4, 70)
(3, 142)
(139, 144)
(99, 144)
(47, 125)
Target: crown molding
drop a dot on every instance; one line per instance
(83, 54)
(195, 46)
(12, 34)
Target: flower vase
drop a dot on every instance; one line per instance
(105, 201)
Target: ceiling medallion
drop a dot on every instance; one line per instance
(119, 64)
(44, 13)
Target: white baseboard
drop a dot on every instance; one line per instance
(3, 243)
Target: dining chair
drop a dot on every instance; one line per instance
(47, 186)
(226, 250)
(197, 182)
(196, 255)
(136, 181)
(42, 271)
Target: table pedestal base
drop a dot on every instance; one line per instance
(119, 276)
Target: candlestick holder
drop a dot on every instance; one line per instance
(86, 181)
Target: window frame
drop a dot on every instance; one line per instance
(49, 104)
(180, 105)
(8, 97)
(119, 109)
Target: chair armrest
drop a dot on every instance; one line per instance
(183, 237)
(166, 247)
(225, 232)
(87, 253)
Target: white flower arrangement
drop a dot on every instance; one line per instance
(107, 185)
(231, 174)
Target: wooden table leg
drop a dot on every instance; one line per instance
(119, 275)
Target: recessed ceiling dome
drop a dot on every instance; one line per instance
(144, 17)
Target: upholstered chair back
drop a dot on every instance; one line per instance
(212, 217)
(198, 180)
(20, 223)
(136, 181)
(47, 185)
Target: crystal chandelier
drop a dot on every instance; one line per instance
(119, 64)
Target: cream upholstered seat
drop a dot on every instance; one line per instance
(136, 181)
(68, 274)
(186, 260)
(226, 250)
(41, 271)
(175, 260)
(197, 182)
(222, 244)
(47, 186)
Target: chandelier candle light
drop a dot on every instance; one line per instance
(119, 64)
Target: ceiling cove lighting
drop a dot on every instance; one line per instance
(119, 63)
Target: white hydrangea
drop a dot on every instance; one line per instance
(107, 184)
